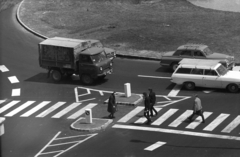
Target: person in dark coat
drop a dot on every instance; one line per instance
(152, 97)
(112, 107)
(147, 107)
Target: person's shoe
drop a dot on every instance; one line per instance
(203, 121)
(109, 116)
(189, 119)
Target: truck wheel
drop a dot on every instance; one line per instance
(174, 66)
(233, 88)
(86, 79)
(189, 85)
(56, 75)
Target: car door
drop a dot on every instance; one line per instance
(185, 54)
(197, 76)
(211, 79)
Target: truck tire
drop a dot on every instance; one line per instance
(86, 79)
(233, 88)
(174, 66)
(189, 85)
(56, 75)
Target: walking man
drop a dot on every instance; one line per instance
(112, 106)
(147, 107)
(197, 109)
(152, 97)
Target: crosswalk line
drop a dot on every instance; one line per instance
(164, 117)
(20, 108)
(81, 111)
(131, 114)
(51, 109)
(9, 105)
(181, 118)
(2, 101)
(216, 122)
(197, 121)
(232, 125)
(143, 119)
(35, 109)
(66, 110)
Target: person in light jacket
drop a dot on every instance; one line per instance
(197, 109)
(112, 106)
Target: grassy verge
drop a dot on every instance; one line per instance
(4, 4)
(132, 25)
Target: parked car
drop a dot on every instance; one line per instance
(205, 73)
(194, 51)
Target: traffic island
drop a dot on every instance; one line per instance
(96, 125)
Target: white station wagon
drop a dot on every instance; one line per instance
(205, 73)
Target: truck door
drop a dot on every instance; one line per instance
(85, 64)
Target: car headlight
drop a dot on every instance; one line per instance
(110, 64)
(100, 68)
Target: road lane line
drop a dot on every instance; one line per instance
(9, 105)
(232, 125)
(51, 109)
(176, 89)
(143, 119)
(131, 114)
(81, 111)
(216, 122)
(198, 120)
(66, 110)
(181, 118)
(181, 132)
(154, 77)
(155, 146)
(35, 109)
(13, 79)
(20, 108)
(2, 101)
(16, 92)
(3, 68)
(164, 117)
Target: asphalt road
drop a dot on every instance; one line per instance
(32, 130)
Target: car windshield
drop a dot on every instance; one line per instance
(222, 70)
(98, 57)
(207, 51)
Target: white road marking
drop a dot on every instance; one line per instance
(3, 68)
(16, 92)
(164, 117)
(198, 120)
(119, 126)
(101, 93)
(87, 100)
(51, 109)
(172, 102)
(66, 110)
(154, 77)
(176, 89)
(216, 122)
(9, 105)
(81, 111)
(155, 146)
(181, 118)
(131, 114)
(13, 79)
(20, 108)
(2, 101)
(232, 125)
(35, 109)
(143, 119)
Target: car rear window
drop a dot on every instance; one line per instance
(197, 71)
(183, 70)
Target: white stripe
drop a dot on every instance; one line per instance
(16, 92)
(176, 132)
(51, 109)
(3, 68)
(143, 119)
(232, 125)
(66, 110)
(9, 105)
(81, 111)
(198, 120)
(181, 118)
(20, 108)
(155, 146)
(35, 109)
(131, 114)
(154, 77)
(101, 93)
(13, 79)
(175, 90)
(216, 122)
(164, 117)
(2, 101)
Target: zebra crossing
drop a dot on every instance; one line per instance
(43, 109)
(178, 117)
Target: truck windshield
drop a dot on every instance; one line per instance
(222, 70)
(96, 44)
(99, 57)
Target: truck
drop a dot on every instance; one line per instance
(66, 56)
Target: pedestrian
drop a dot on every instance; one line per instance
(197, 109)
(112, 106)
(147, 107)
(152, 98)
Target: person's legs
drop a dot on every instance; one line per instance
(155, 110)
(190, 117)
(146, 114)
(201, 114)
(151, 111)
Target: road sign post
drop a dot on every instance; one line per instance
(88, 116)
(2, 119)
(127, 89)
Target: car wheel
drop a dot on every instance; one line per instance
(174, 66)
(86, 79)
(56, 75)
(189, 85)
(233, 88)
(102, 77)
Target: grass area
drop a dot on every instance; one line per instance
(4, 4)
(140, 27)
